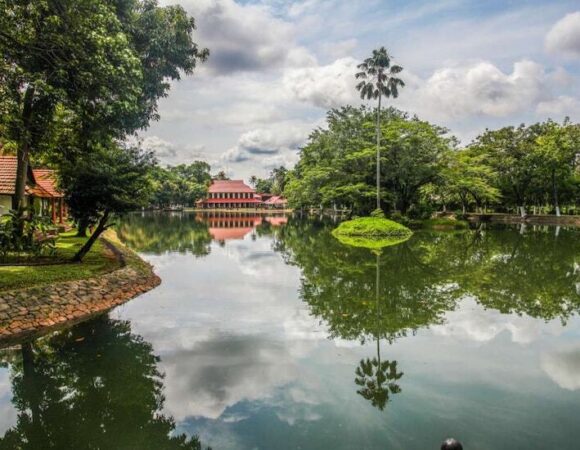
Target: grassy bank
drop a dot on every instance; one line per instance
(372, 227)
(99, 260)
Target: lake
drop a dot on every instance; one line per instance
(267, 333)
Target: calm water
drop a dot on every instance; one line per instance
(272, 335)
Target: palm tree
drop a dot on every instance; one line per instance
(253, 180)
(378, 78)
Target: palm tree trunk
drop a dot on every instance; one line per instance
(379, 153)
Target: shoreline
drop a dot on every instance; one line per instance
(28, 313)
(530, 219)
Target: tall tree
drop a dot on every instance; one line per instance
(53, 51)
(108, 62)
(379, 78)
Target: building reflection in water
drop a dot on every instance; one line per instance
(224, 226)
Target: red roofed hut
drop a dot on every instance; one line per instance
(229, 194)
(277, 202)
(41, 190)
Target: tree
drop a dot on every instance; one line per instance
(378, 79)
(253, 180)
(109, 181)
(54, 51)
(467, 178)
(278, 177)
(556, 151)
(221, 175)
(336, 164)
(108, 63)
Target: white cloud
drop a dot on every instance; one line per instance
(563, 368)
(473, 323)
(560, 107)
(564, 36)
(482, 89)
(168, 153)
(269, 147)
(245, 37)
(340, 49)
(326, 86)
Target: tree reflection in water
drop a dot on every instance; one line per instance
(193, 233)
(377, 379)
(94, 386)
(159, 233)
(535, 273)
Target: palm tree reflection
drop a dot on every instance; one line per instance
(377, 379)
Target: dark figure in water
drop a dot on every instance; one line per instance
(451, 444)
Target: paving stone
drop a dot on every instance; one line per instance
(39, 309)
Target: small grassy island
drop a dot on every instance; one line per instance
(371, 232)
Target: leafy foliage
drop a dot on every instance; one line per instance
(180, 185)
(24, 234)
(96, 385)
(336, 165)
(107, 182)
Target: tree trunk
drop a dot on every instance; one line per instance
(32, 392)
(555, 193)
(82, 226)
(23, 150)
(102, 226)
(379, 154)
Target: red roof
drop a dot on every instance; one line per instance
(276, 200)
(46, 180)
(7, 174)
(42, 181)
(218, 186)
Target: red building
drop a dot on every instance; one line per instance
(41, 190)
(229, 194)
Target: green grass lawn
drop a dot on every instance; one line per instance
(99, 260)
(372, 227)
(371, 232)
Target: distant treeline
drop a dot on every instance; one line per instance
(423, 168)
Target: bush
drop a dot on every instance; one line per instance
(378, 213)
(22, 231)
(421, 212)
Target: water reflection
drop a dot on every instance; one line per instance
(157, 233)
(418, 282)
(242, 338)
(95, 386)
(536, 274)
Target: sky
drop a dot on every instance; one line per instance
(276, 67)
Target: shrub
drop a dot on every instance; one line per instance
(378, 213)
(22, 231)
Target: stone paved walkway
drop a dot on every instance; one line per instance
(34, 311)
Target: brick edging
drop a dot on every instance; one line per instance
(31, 312)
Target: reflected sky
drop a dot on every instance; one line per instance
(258, 338)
